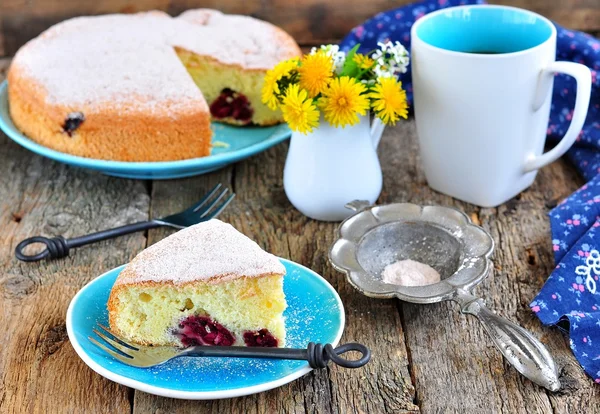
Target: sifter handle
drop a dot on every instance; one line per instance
(522, 350)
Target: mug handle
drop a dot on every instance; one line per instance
(583, 76)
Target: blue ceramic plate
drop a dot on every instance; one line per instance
(315, 313)
(242, 142)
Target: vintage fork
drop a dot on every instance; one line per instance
(207, 208)
(317, 355)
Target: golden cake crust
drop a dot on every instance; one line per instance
(107, 133)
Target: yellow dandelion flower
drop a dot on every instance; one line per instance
(389, 100)
(316, 71)
(343, 101)
(363, 61)
(299, 111)
(270, 89)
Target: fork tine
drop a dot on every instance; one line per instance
(125, 360)
(218, 210)
(204, 199)
(207, 209)
(116, 338)
(123, 349)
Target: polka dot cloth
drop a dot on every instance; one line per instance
(572, 292)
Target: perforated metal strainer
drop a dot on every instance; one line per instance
(445, 239)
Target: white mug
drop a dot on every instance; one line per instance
(482, 78)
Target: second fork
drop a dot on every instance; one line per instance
(207, 208)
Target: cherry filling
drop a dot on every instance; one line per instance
(260, 338)
(72, 122)
(231, 104)
(201, 330)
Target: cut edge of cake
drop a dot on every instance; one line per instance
(233, 92)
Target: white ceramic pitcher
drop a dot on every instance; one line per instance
(330, 167)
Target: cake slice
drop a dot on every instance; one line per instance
(207, 284)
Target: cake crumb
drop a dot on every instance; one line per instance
(410, 273)
(220, 144)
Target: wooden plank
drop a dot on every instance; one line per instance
(455, 366)
(262, 212)
(22, 20)
(309, 21)
(2, 49)
(39, 370)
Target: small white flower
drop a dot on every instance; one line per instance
(398, 49)
(332, 49)
(329, 50)
(393, 69)
(383, 71)
(400, 56)
(385, 47)
(393, 56)
(398, 68)
(368, 81)
(338, 60)
(402, 60)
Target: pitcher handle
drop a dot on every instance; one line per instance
(583, 77)
(377, 128)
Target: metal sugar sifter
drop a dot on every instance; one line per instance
(445, 239)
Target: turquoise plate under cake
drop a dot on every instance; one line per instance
(314, 314)
(239, 143)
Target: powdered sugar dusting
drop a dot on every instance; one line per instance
(235, 39)
(410, 273)
(129, 61)
(200, 252)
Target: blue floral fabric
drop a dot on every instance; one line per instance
(572, 292)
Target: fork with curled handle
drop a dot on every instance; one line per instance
(210, 206)
(317, 355)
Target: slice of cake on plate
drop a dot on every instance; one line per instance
(207, 284)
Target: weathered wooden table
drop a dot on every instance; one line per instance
(425, 358)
